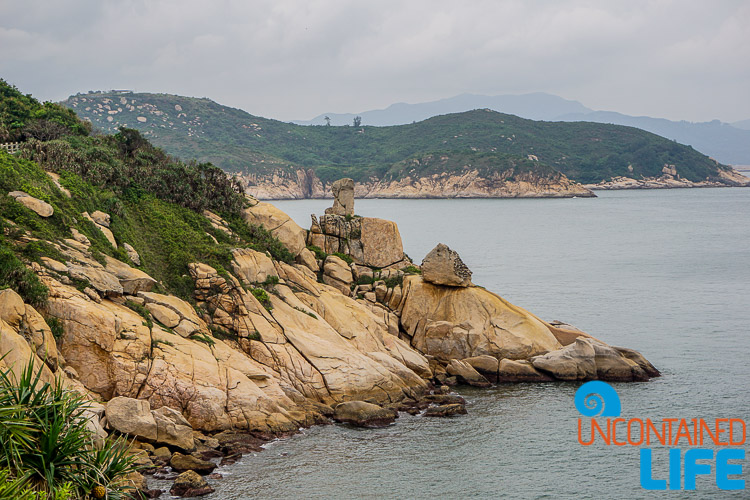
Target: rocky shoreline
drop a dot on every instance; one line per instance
(352, 332)
(671, 180)
(304, 184)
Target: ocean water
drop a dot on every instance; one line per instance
(665, 272)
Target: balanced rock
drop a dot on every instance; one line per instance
(42, 208)
(190, 484)
(363, 414)
(443, 266)
(343, 197)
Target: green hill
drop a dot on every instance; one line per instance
(240, 142)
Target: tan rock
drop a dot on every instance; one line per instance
(458, 323)
(163, 314)
(443, 266)
(131, 416)
(251, 266)
(108, 234)
(343, 197)
(173, 429)
(189, 323)
(381, 243)
(132, 280)
(307, 259)
(519, 371)
(279, 223)
(363, 414)
(12, 308)
(101, 280)
(101, 218)
(42, 208)
(42, 340)
(132, 254)
(54, 265)
(466, 373)
(80, 237)
(486, 365)
(336, 268)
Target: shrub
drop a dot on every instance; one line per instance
(343, 257)
(56, 326)
(319, 254)
(202, 337)
(15, 275)
(44, 440)
(145, 313)
(262, 297)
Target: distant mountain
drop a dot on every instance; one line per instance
(727, 143)
(536, 106)
(482, 144)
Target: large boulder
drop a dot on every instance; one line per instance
(337, 273)
(443, 266)
(589, 359)
(132, 280)
(280, 224)
(173, 429)
(131, 416)
(363, 414)
(368, 241)
(510, 370)
(463, 322)
(42, 208)
(343, 197)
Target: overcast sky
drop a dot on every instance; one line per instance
(676, 59)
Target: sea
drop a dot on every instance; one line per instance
(666, 272)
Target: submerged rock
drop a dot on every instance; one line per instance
(180, 462)
(445, 410)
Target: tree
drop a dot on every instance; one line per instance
(357, 121)
(328, 121)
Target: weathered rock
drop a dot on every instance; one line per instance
(54, 265)
(638, 358)
(279, 223)
(486, 365)
(363, 414)
(163, 314)
(162, 453)
(466, 374)
(101, 218)
(101, 280)
(462, 322)
(79, 237)
(337, 273)
(132, 254)
(445, 410)
(343, 197)
(519, 371)
(307, 259)
(190, 484)
(180, 462)
(132, 280)
(251, 266)
(445, 399)
(131, 416)
(173, 429)
(189, 323)
(42, 208)
(12, 308)
(443, 266)
(381, 243)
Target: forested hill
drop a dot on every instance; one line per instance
(240, 142)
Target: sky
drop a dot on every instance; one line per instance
(676, 59)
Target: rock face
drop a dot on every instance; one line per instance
(42, 208)
(589, 359)
(368, 241)
(443, 266)
(301, 184)
(343, 197)
(457, 323)
(363, 414)
(280, 224)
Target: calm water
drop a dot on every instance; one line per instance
(664, 272)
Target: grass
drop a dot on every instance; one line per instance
(142, 310)
(202, 337)
(45, 446)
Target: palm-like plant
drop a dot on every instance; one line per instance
(44, 441)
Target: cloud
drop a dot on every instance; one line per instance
(297, 59)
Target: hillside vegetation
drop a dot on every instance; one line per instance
(155, 202)
(239, 142)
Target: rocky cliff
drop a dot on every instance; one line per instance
(301, 184)
(267, 346)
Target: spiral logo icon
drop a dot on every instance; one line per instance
(597, 399)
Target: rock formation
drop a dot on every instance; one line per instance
(268, 346)
(343, 197)
(443, 266)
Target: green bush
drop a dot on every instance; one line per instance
(56, 326)
(145, 313)
(15, 275)
(319, 254)
(262, 297)
(343, 257)
(202, 337)
(45, 442)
